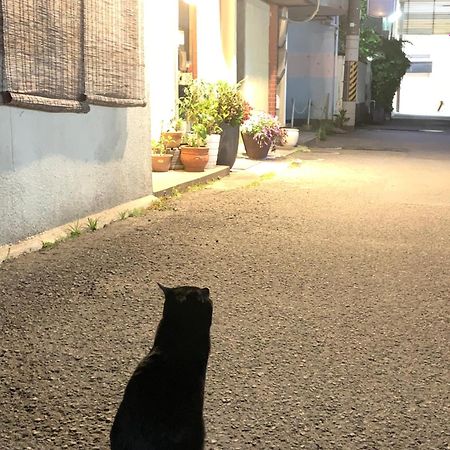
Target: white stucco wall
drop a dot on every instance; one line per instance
(257, 17)
(57, 167)
(421, 93)
(161, 28)
(211, 64)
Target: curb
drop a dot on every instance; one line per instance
(34, 243)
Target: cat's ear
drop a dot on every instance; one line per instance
(163, 288)
(205, 292)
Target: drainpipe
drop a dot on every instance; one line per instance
(314, 14)
(335, 24)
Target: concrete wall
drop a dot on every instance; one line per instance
(57, 167)
(310, 68)
(257, 15)
(421, 93)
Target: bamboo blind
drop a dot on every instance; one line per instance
(59, 55)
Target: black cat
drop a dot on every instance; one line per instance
(162, 408)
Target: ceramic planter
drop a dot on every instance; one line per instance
(194, 159)
(292, 135)
(212, 142)
(161, 163)
(228, 146)
(253, 149)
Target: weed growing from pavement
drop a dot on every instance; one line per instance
(75, 230)
(92, 223)
(163, 204)
(198, 187)
(123, 215)
(261, 178)
(295, 164)
(175, 193)
(46, 245)
(136, 212)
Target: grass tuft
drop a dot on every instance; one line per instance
(92, 223)
(75, 230)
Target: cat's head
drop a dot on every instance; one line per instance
(188, 306)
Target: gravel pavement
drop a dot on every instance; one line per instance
(330, 282)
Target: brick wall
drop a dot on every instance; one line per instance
(273, 58)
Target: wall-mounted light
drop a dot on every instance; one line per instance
(380, 8)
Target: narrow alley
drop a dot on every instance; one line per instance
(330, 281)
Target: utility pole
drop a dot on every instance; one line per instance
(351, 60)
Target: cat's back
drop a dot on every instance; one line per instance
(162, 406)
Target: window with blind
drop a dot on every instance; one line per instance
(64, 55)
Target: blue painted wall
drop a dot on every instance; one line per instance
(310, 68)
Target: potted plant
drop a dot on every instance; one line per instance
(173, 135)
(233, 110)
(292, 135)
(172, 139)
(194, 155)
(199, 106)
(160, 158)
(259, 133)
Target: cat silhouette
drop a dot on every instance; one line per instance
(162, 407)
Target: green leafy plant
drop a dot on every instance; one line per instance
(92, 223)
(175, 125)
(158, 147)
(389, 65)
(231, 106)
(199, 106)
(197, 136)
(341, 119)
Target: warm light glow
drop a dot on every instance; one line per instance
(395, 16)
(180, 37)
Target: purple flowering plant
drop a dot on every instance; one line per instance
(264, 128)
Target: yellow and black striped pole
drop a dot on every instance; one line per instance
(351, 81)
(351, 61)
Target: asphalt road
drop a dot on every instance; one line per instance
(330, 279)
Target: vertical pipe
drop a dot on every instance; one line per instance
(293, 112)
(309, 112)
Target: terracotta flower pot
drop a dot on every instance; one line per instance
(161, 163)
(171, 139)
(194, 159)
(253, 149)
